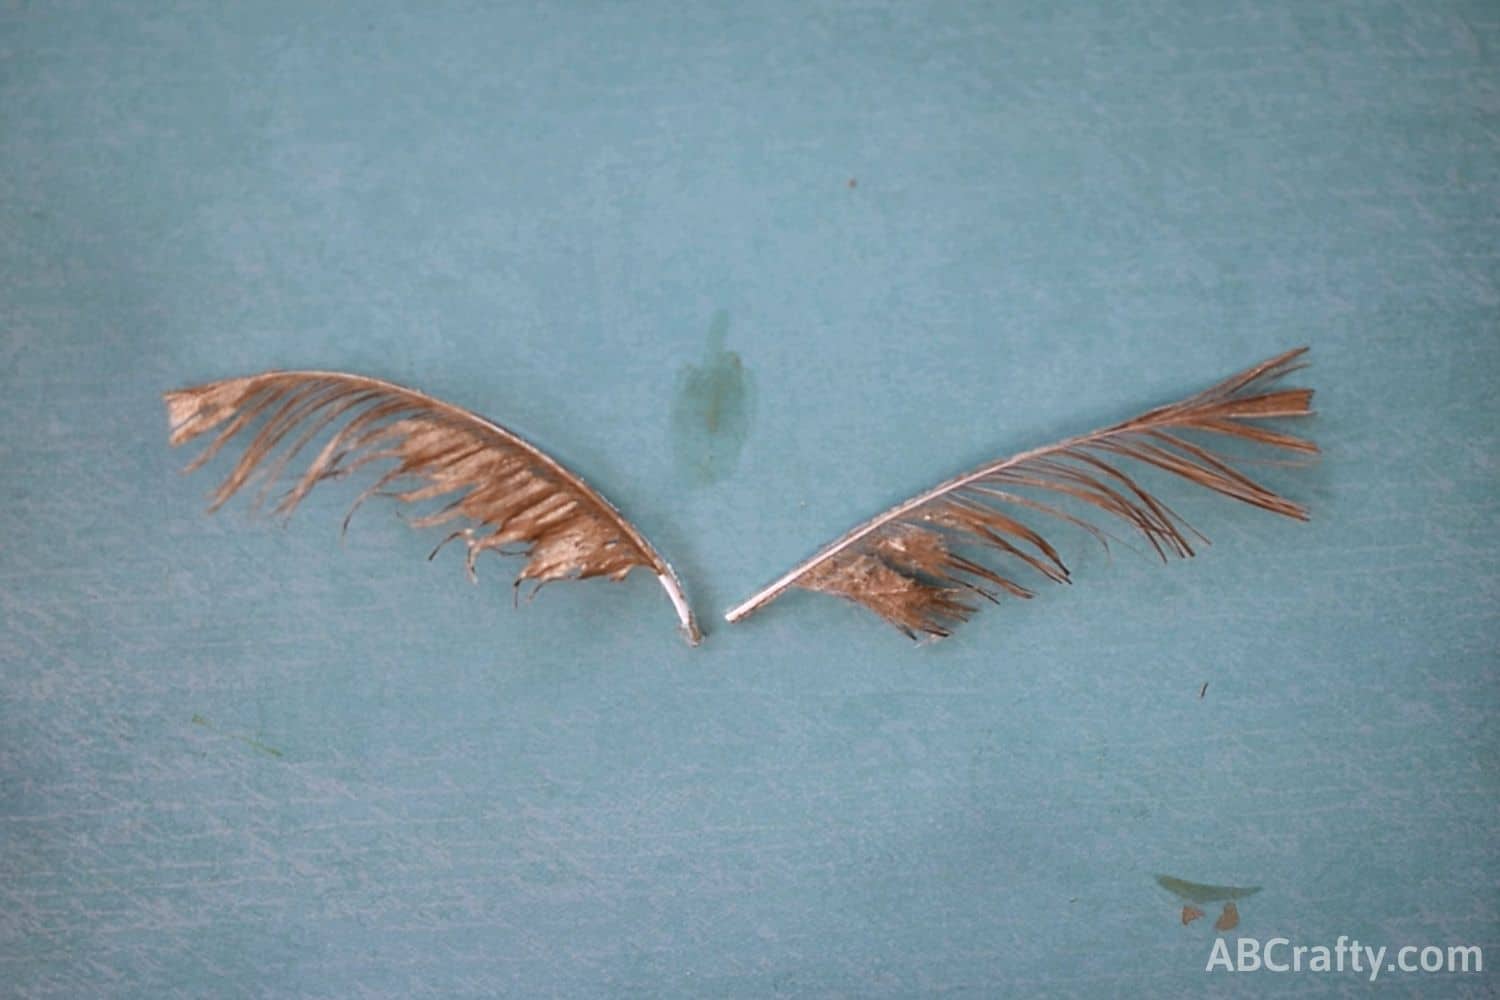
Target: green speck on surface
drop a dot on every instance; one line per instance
(258, 745)
(1198, 892)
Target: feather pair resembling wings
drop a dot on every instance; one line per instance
(922, 565)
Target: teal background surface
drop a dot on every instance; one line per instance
(243, 760)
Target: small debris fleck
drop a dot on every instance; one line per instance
(1203, 690)
(1229, 919)
(1189, 914)
(853, 184)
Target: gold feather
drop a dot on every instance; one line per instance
(510, 496)
(905, 566)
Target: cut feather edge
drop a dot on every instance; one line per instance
(197, 410)
(1225, 406)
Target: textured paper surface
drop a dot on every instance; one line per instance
(237, 759)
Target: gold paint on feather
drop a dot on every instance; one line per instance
(904, 564)
(510, 496)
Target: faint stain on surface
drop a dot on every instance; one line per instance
(248, 741)
(711, 410)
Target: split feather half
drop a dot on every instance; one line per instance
(906, 565)
(508, 496)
